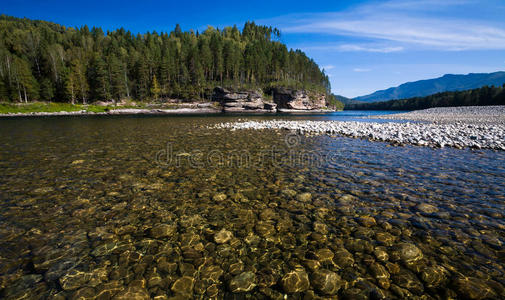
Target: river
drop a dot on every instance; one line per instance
(146, 206)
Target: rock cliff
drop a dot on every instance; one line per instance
(244, 101)
(254, 100)
(298, 99)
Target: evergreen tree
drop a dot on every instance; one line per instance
(70, 86)
(26, 84)
(117, 78)
(82, 86)
(46, 89)
(142, 75)
(70, 64)
(99, 78)
(155, 88)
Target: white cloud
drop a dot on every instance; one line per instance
(329, 67)
(350, 47)
(425, 24)
(361, 70)
(356, 48)
(425, 4)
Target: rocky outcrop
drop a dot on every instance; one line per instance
(254, 101)
(298, 99)
(244, 101)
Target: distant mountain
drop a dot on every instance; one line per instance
(483, 96)
(446, 83)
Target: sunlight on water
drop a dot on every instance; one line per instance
(138, 207)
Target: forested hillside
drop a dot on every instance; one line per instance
(476, 97)
(45, 61)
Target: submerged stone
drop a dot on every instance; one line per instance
(184, 286)
(367, 221)
(434, 276)
(288, 192)
(43, 190)
(132, 293)
(326, 282)
(427, 208)
(212, 273)
(305, 197)
(324, 255)
(163, 230)
(409, 252)
(74, 280)
(472, 288)
(343, 258)
(408, 280)
(320, 228)
(243, 282)
(295, 281)
(268, 214)
(219, 197)
(223, 236)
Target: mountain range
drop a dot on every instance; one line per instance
(446, 83)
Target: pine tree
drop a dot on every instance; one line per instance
(216, 47)
(205, 55)
(119, 64)
(70, 86)
(142, 75)
(117, 78)
(99, 78)
(155, 88)
(46, 89)
(27, 86)
(81, 81)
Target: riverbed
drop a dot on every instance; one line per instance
(155, 206)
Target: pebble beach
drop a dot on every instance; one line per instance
(458, 127)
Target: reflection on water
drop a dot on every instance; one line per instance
(88, 211)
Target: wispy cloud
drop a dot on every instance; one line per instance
(361, 70)
(328, 67)
(423, 24)
(356, 48)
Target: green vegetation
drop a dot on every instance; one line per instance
(6, 108)
(43, 61)
(476, 97)
(334, 102)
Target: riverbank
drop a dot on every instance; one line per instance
(41, 109)
(486, 115)
(123, 111)
(468, 127)
(67, 109)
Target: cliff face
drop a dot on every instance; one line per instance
(244, 101)
(254, 101)
(298, 99)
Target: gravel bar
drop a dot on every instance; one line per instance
(421, 134)
(486, 115)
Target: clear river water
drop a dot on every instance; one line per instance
(140, 207)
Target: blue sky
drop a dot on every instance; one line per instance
(363, 45)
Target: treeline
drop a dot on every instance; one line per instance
(334, 102)
(487, 95)
(45, 61)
